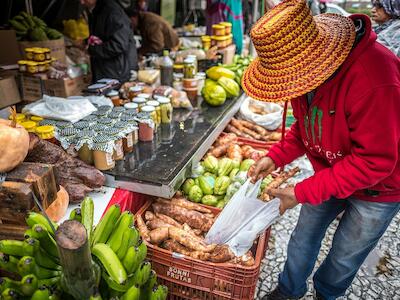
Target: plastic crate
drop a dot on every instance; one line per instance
(192, 279)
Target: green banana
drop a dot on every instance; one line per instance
(47, 242)
(126, 240)
(105, 227)
(146, 290)
(36, 218)
(132, 294)
(159, 292)
(17, 25)
(28, 285)
(143, 273)
(49, 282)
(54, 296)
(87, 210)
(9, 294)
(8, 263)
(96, 296)
(27, 265)
(131, 260)
(5, 283)
(116, 286)
(45, 261)
(142, 250)
(28, 19)
(76, 214)
(39, 22)
(12, 247)
(110, 262)
(43, 293)
(124, 222)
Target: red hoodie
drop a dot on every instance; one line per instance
(351, 130)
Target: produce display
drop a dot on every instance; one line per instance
(252, 131)
(77, 177)
(239, 65)
(179, 225)
(40, 267)
(32, 28)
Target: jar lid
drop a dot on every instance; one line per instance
(100, 113)
(69, 132)
(87, 133)
(105, 108)
(113, 131)
(144, 96)
(28, 49)
(201, 75)
(81, 125)
(98, 127)
(163, 100)
(32, 63)
(178, 66)
(28, 125)
(103, 138)
(118, 109)
(148, 108)
(19, 117)
(129, 118)
(226, 24)
(115, 115)
(188, 60)
(130, 112)
(152, 103)
(218, 26)
(36, 118)
(22, 62)
(131, 105)
(121, 124)
(47, 122)
(101, 147)
(112, 93)
(90, 118)
(105, 121)
(45, 129)
(143, 116)
(139, 100)
(136, 88)
(63, 124)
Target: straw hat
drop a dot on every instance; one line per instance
(296, 52)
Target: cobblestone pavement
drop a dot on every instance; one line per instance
(382, 282)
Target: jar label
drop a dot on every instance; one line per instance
(109, 159)
(119, 149)
(129, 140)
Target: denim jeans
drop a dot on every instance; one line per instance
(359, 230)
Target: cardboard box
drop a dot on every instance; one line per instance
(64, 87)
(9, 93)
(9, 52)
(57, 48)
(31, 88)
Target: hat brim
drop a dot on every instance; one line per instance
(308, 70)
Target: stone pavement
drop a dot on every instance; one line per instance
(380, 280)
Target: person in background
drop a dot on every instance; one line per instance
(386, 13)
(157, 34)
(227, 11)
(111, 43)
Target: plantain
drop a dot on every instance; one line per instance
(105, 227)
(110, 262)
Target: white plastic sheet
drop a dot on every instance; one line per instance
(243, 219)
(71, 110)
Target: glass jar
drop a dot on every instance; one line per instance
(39, 54)
(41, 66)
(178, 68)
(32, 67)
(134, 91)
(29, 53)
(146, 127)
(114, 96)
(194, 59)
(127, 140)
(116, 135)
(67, 137)
(228, 27)
(218, 29)
(131, 121)
(139, 101)
(144, 96)
(47, 53)
(46, 132)
(30, 126)
(103, 149)
(22, 66)
(19, 118)
(156, 105)
(166, 110)
(206, 41)
(134, 107)
(151, 110)
(189, 70)
(178, 84)
(201, 77)
(84, 145)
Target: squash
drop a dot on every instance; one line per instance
(14, 143)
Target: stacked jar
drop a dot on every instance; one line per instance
(146, 127)
(103, 149)
(84, 145)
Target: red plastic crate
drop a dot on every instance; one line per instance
(192, 279)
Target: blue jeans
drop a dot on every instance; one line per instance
(359, 230)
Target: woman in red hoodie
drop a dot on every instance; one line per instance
(344, 88)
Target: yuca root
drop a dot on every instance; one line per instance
(143, 230)
(186, 239)
(174, 246)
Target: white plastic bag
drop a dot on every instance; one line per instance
(243, 219)
(71, 110)
(271, 120)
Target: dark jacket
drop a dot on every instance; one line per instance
(117, 55)
(157, 34)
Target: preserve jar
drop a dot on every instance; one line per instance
(19, 118)
(116, 135)
(131, 107)
(84, 145)
(46, 132)
(218, 29)
(22, 66)
(228, 27)
(157, 107)
(134, 91)
(29, 53)
(151, 110)
(139, 101)
(39, 54)
(29, 126)
(103, 149)
(127, 140)
(146, 127)
(114, 96)
(166, 109)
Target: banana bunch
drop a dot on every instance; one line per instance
(239, 65)
(32, 28)
(35, 260)
(126, 274)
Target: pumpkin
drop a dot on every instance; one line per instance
(14, 143)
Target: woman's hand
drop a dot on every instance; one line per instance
(261, 169)
(287, 197)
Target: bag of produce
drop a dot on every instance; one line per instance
(243, 219)
(221, 185)
(216, 73)
(213, 93)
(265, 114)
(230, 86)
(232, 189)
(195, 193)
(211, 164)
(225, 166)
(206, 184)
(241, 177)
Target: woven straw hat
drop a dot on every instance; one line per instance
(296, 51)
